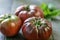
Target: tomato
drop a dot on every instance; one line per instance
(10, 25)
(1, 18)
(36, 28)
(26, 11)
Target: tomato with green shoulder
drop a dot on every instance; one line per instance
(10, 25)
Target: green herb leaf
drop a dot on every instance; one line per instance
(49, 10)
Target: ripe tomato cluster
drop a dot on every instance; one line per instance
(30, 19)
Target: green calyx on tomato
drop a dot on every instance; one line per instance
(38, 22)
(10, 17)
(27, 8)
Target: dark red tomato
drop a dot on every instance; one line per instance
(36, 28)
(10, 25)
(26, 11)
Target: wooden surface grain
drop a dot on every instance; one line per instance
(9, 6)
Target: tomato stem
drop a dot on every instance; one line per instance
(27, 8)
(38, 23)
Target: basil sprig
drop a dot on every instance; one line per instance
(50, 11)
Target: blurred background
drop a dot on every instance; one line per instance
(9, 6)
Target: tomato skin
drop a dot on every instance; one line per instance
(30, 32)
(19, 9)
(26, 11)
(10, 26)
(1, 19)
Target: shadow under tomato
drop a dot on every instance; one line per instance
(16, 37)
